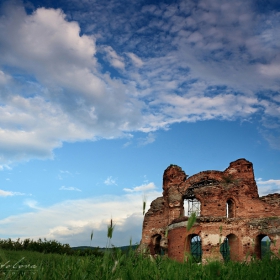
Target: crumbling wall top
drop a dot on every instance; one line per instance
(173, 175)
(241, 168)
(156, 205)
(272, 199)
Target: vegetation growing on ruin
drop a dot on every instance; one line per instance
(228, 179)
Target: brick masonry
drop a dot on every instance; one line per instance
(230, 207)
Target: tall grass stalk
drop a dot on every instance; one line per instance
(144, 204)
(130, 266)
(91, 236)
(110, 230)
(191, 221)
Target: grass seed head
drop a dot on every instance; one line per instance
(110, 230)
(191, 221)
(144, 203)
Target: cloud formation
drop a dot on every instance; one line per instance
(110, 181)
(152, 66)
(72, 221)
(9, 193)
(52, 90)
(268, 186)
(113, 58)
(63, 188)
(143, 188)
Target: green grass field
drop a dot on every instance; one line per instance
(116, 265)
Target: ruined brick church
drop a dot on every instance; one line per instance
(231, 218)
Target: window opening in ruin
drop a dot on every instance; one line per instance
(230, 208)
(157, 249)
(225, 250)
(192, 205)
(196, 250)
(263, 246)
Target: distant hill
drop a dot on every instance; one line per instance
(123, 248)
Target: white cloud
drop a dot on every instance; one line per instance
(5, 166)
(4, 78)
(272, 70)
(126, 144)
(63, 188)
(274, 141)
(142, 188)
(65, 172)
(113, 58)
(268, 186)
(53, 90)
(9, 193)
(138, 62)
(61, 94)
(150, 138)
(42, 125)
(31, 203)
(72, 221)
(110, 181)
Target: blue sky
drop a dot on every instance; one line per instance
(97, 98)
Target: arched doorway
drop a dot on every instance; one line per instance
(229, 248)
(194, 247)
(156, 243)
(262, 248)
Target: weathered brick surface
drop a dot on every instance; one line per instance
(249, 218)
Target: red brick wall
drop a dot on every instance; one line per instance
(252, 215)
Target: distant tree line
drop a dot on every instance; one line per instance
(47, 246)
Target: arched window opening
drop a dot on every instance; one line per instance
(156, 243)
(265, 247)
(225, 250)
(262, 246)
(192, 205)
(195, 248)
(230, 208)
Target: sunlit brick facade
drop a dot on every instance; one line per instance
(228, 211)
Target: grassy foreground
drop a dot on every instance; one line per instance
(116, 265)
